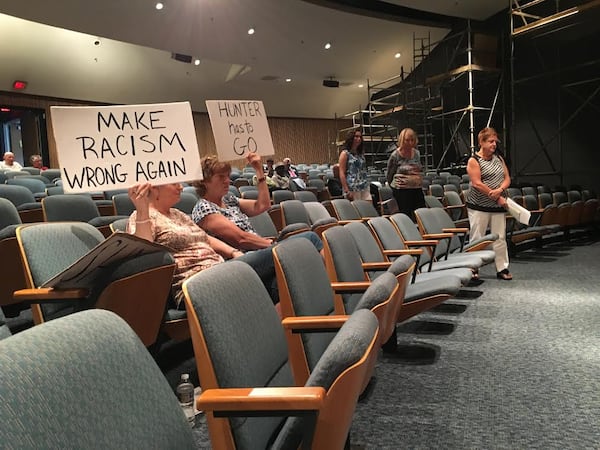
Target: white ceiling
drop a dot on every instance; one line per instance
(120, 51)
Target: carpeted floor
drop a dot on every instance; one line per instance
(519, 370)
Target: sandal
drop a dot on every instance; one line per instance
(504, 275)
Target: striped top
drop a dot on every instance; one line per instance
(492, 175)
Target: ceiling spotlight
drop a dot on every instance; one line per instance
(361, 85)
(327, 46)
(196, 62)
(159, 6)
(251, 31)
(397, 55)
(287, 80)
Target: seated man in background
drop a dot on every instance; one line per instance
(291, 171)
(280, 178)
(9, 163)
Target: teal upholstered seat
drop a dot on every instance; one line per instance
(435, 221)
(305, 290)
(29, 209)
(122, 204)
(405, 231)
(344, 211)
(240, 349)
(86, 381)
(136, 287)
(344, 261)
(76, 207)
(186, 202)
(380, 240)
(365, 208)
(12, 271)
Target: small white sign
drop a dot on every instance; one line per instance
(108, 147)
(239, 127)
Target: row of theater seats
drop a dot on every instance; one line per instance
(241, 343)
(555, 215)
(356, 239)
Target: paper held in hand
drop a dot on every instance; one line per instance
(518, 212)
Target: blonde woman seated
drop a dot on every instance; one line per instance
(226, 216)
(155, 220)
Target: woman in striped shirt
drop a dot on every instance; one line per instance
(485, 202)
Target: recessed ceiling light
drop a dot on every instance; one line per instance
(397, 55)
(251, 31)
(361, 85)
(287, 80)
(327, 46)
(159, 6)
(196, 62)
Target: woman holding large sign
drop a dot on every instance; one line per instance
(156, 220)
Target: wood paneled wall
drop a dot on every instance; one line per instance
(302, 140)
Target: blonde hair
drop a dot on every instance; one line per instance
(210, 167)
(402, 136)
(486, 133)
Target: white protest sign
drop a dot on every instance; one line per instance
(108, 147)
(239, 127)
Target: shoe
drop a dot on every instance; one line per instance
(504, 275)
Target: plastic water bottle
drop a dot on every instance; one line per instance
(185, 394)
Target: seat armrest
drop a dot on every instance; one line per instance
(410, 251)
(438, 236)
(424, 243)
(308, 324)
(348, 287)
(455, 230)
(262, 399)
(48, 295)
(381, 265)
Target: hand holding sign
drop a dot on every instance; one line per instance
(240, 127)
(255, 161)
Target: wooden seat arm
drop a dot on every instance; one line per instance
(410, 251)
(455, 230)
(424, 243)
(349, 287)
(380, 265)
(237, 400)
(344, 222)
(49, 294)
(309, 324)
(438, 236)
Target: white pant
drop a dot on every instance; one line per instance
(479, 222)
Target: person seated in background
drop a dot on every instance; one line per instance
(9, 163)
(279, 178)
(36, 161)
(292, 172)
(226, 216)
(155, 220)
(269, 169)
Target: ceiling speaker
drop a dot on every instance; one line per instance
(331, 83)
